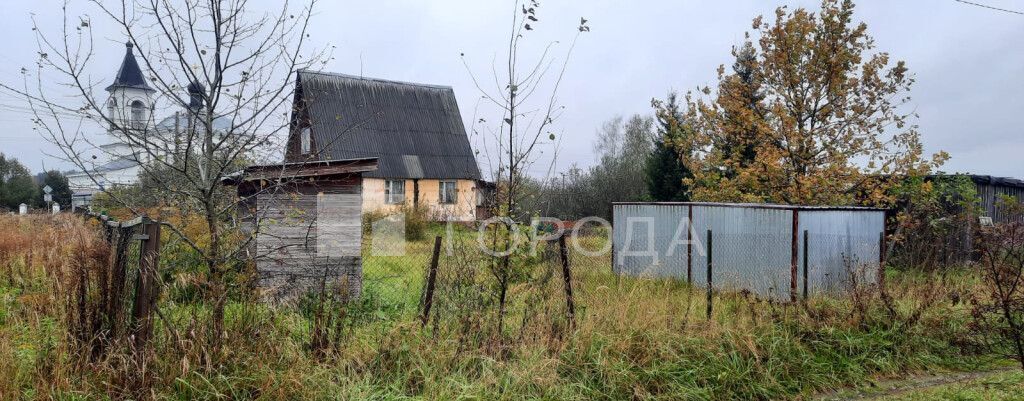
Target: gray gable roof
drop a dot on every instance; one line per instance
(221, 123)
(415, 130)
(120, 163)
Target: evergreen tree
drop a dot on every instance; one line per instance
(59, 184)
(16, 185)
(665, 170)
(741, 100)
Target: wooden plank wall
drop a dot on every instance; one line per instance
(990, 195)
(309, 235)
(959, 246)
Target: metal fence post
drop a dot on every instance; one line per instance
(428, 297)
(611, 238)
(805, 264)
(793, 256)
(570, 304)
(710, 262)
(689, 245)
(881, 261)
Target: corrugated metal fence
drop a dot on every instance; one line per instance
(755, 247)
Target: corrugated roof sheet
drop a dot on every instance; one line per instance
(997, 181)
(415, 130)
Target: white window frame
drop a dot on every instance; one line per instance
(306, 141)
(442, 197)
(394, 192)
(138, 114)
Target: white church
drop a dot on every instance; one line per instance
(130, 107)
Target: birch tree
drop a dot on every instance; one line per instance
(226, 66)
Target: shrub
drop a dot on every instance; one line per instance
(933, 223)
(417, 220)
(1000, 316)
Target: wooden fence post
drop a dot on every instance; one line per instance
(570, 305)
(805, 264)
(710, 263)
(115, 305)
(428, 297)
(147, 288)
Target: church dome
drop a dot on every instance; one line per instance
(196, 94)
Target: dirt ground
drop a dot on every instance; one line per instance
(962, 385)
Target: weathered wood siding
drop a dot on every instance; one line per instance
(959, 246)
(989, 195)
(309, 235)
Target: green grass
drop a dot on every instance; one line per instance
(1004, 386)
(634, 339)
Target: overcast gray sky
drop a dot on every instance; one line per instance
(968, 61)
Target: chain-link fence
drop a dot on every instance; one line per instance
(473, 269)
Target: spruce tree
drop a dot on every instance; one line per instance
(665, 170)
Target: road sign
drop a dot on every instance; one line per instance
(47, 190)
(47, 198)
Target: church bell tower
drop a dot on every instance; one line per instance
(129, 106)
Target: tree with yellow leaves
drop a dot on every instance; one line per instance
(811, 114)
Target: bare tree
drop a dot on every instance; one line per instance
(238, 67)
(623, 148)
(525, 93)
(1001, 315)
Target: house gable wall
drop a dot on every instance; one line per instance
(464, 209)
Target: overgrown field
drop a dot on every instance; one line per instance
(633, 338)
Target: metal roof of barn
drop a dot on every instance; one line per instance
(997, 181)
(415, 130)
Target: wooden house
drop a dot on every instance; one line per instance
(307, 219)
(415, 130)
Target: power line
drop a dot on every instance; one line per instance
(990, 7)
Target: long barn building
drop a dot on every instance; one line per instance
(991, 189)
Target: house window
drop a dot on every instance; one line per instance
(394, 191)
(447, 193)
(138, 114)
(306, 141)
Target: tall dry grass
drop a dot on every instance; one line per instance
(634, 338)
(41, 261)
